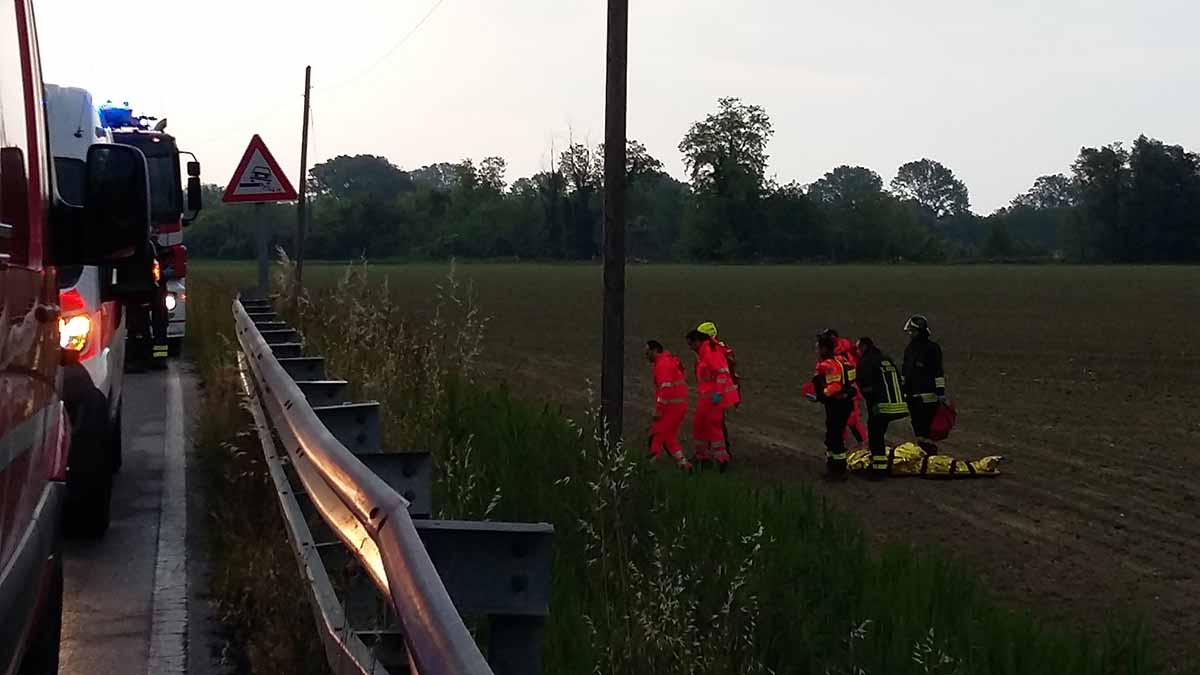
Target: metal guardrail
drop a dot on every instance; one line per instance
(377, 505)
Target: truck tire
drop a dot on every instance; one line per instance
(91, 511)
(115, 442)
(41, 657)
(89, 460)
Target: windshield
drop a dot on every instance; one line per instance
(71, 174)
(166, 195)
(68, 275)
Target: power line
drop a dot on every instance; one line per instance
(275, 110)
(387, 55)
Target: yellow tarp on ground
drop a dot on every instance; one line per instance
(911, 460)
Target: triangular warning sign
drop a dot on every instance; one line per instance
(258, 177)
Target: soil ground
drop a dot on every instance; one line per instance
(1084, 379)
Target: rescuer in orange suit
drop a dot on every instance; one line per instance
(670, 403)
(846, 348)
(735, 398)
(712, 385)
(833, 387)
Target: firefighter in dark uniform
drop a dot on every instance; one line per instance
(833, 387)
(924, 379)
(159, 317)
(879, 382)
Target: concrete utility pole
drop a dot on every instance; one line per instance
(612, 366)
(301, 204)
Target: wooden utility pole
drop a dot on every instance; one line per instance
(301, 204)
(612, 358)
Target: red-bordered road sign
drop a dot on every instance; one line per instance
(258, 177)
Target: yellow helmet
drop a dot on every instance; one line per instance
(708, 328)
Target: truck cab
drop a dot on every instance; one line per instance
(91, 327)
(39, 234)
(168, 211)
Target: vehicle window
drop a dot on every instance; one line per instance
(71, 174)
(164, 191)
(162, 163)
(14, 150)
(68, 275)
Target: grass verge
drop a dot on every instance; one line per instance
(657, 572)
(255, 581)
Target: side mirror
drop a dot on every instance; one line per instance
(193, 193)
(193, 169)
(116, 203)
(114, 222)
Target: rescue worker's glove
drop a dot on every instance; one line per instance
(812, 397)
(716, 398)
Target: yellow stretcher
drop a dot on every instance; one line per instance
(911, 460)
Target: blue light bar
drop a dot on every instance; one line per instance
(117, 117)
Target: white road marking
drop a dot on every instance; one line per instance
(169, 621)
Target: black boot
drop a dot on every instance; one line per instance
(835, 469)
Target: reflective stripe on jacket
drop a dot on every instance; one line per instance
(835, 378)
(670, 384)
(713, 375)
(879, 381)
(923, 376)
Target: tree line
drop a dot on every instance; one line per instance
(1116, 204)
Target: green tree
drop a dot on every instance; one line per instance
(726, 157)
(855, 208)
(933, 186)
(583, 170)
(344, 176)
(1163, 207)
(1103, 179)
(1055, 191)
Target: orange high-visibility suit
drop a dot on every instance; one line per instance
(834, 386)
(713, 384)
(846, 349)
(733, 395)
(670, 407)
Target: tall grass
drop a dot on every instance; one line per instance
(657, 572)
(255, 582)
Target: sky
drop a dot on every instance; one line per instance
(999, 92)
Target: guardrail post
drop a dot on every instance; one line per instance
(304, 367)
(409, 473)
(323, 392)
(501, 571)
(355, 425)
(353, 538)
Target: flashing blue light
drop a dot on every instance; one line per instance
(117, 117)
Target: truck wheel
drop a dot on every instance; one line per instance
(114, 440)
(93, 508)
(41, 658)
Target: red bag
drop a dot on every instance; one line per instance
(943, 422)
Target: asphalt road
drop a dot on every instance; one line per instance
(134, 598)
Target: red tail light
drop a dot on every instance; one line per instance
(77, 328)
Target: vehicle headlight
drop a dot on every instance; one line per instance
(171, 302)
(73, 332)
